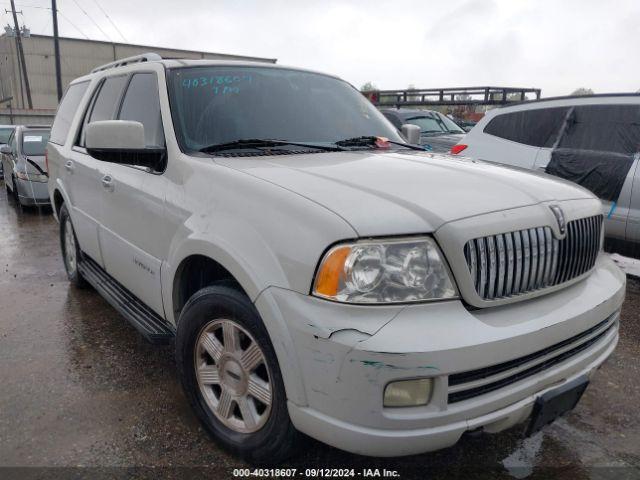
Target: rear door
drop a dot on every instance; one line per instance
(84, 170)
(132, 208)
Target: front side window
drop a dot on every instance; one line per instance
(12, 143)
(34, 142)
(66, 112)
(104, 103)
(219, 104)
(142, 104)
(107, 101)
(603, 128)
(5, 133)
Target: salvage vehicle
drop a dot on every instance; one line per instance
(592, 140)
(318, 273)
(5, 133)
(436, 130)
(24, 165)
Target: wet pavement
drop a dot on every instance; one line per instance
(79, 387)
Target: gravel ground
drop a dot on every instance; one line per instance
(83, 395)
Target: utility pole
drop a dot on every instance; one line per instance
(21, 52)
(56, 48)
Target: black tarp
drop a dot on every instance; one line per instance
(596, 146)
(601, 172)
(538, 127)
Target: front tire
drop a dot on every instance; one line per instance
(230, 374)
(71, 253)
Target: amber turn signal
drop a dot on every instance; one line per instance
(331, 271)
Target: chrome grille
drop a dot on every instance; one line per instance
(514, 263)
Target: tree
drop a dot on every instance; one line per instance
(582, 91)
(368, 87)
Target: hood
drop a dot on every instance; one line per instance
(442, 143)
(395, 193)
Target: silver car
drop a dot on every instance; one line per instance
(23, 161)
(5, 133)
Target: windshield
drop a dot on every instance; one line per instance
(34, 142)
(5, 133)
(435, 124)
(427, 124)
(214, 105)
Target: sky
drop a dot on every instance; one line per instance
(557, 46)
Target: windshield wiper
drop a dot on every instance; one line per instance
(260, 143)
(371, 141)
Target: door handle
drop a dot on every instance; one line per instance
(69, 166)
(107, 183)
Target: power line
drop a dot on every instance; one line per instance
(110, 21)
(73, 24)
(92, 20)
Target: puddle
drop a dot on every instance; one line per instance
(521, 462)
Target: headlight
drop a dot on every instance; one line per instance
(384, 271)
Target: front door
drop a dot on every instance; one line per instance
(132, 207)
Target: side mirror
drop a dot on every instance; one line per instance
(6, 149)
(122, 141)
(411, 133)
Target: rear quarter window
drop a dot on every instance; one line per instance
(66, 112)
(537, 128)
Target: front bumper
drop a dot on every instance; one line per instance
(32, 193)
(346, 355)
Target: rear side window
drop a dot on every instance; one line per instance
(66, 112)
(538, 128)
(142, 104)
(108, 99)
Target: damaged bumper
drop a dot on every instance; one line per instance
(32, 193)
(487, 366)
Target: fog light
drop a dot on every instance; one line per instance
(408, 393)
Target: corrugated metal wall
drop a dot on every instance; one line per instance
(77, 57)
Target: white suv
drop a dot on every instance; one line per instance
(592, 140)
(317, 276)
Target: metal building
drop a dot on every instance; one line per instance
(77, 58)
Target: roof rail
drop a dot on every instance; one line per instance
(145, 57)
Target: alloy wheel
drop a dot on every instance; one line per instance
(233, 376)
(70, 257)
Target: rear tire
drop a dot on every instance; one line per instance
(237, 392)
(71, 253)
